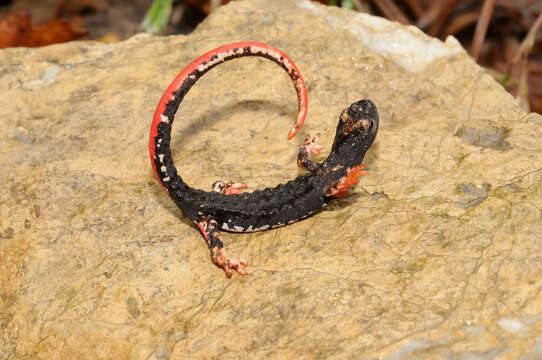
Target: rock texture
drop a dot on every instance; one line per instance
(436, 254)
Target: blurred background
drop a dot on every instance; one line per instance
(504, 36)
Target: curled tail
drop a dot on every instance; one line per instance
(160, 136)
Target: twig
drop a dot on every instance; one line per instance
(391, 11)
(481, 28)
(523, 88)
(436, 16)
(416, 8)
(527, 43)
(442, 17)
(460, 22)
(358, 4)
(523, 53)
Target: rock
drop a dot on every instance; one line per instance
(436, 253)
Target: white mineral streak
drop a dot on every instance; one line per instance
(408, 47)
(512, 325)
(48, 77)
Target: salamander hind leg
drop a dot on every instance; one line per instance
(209, 228)
(228, 188)
(309, 147)
(341, 187)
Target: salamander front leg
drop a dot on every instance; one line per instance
(209, 228)
(228, 188)
(341, 187)
(309, 147)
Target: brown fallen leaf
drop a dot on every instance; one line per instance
(16, 30)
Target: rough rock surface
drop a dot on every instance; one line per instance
(436, 254)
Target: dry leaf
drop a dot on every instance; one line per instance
(16, 30)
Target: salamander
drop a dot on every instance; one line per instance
(226, 207)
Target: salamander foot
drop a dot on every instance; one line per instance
(221, 258)
(309, 147)
(228, 188)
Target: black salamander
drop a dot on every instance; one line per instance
(226, 207)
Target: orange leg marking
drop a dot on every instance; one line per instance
(352, 177)
(234, 188)
(228, 188)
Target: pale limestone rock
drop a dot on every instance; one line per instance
(436, 254)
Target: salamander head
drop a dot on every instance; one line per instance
(361, 117)
(358, 125)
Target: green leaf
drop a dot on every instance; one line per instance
(348, 4)
(505, 78)
(156, 19)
